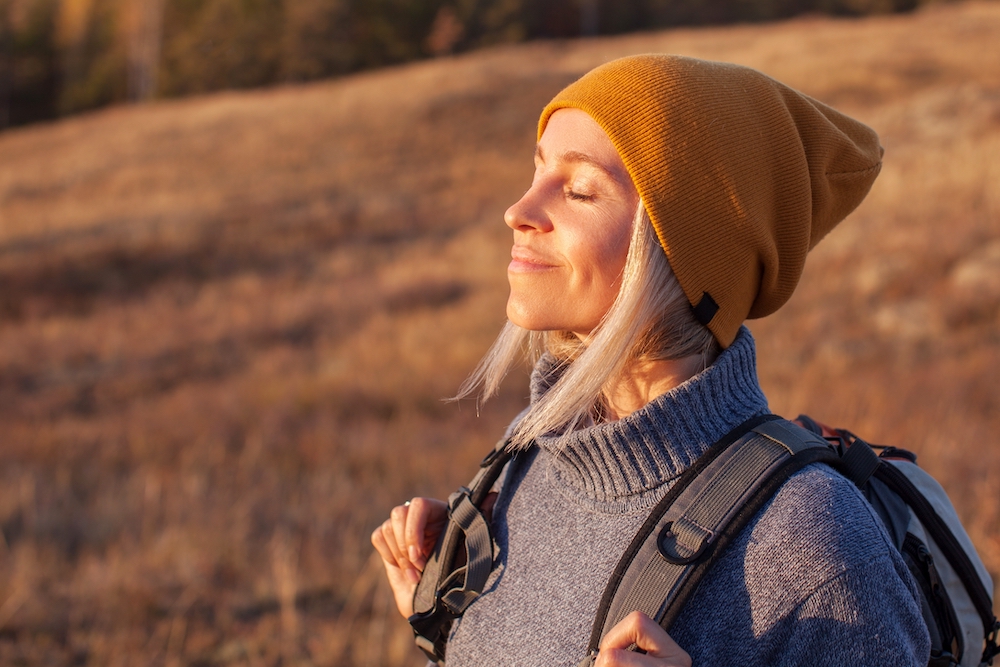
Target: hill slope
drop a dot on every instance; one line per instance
(226, 322)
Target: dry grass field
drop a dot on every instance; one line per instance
(226, 324)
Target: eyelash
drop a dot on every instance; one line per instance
(576, 196)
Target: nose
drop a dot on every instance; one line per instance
(528, 213)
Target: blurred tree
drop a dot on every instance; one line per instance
(29, 61)
(93, 55)
(392, 31)
(488, 22)
(6, 64)
(865, 7)
(144, 28)
(63, 56)
(589, 17)
(316, 39)
(220, 44)
(445, 32)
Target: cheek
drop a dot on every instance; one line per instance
(598, 278)
(608, 259)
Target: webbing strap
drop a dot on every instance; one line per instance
(706, 514)
(478, 550)
(444, 590)
(859, 463)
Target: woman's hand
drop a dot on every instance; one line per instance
(644, 632)
(404, 541)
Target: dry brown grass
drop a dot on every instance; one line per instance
(226, 322)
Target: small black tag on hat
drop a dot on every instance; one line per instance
(706, 309)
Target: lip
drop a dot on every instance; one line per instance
(524, 259)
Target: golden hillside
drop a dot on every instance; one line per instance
(226, 324)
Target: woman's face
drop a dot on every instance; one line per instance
(571, 229)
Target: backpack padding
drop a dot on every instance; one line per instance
(935, 522)
(706, 508)
(650, 523)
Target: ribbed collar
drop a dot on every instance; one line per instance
(651, 446)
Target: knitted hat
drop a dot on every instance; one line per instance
(740, 174)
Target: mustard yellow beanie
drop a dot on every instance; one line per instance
(740, 174)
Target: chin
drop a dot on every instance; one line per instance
(540, 322)
(525, 323)
(526, 318)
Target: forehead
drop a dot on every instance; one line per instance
(573, 136)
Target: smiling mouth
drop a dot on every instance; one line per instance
(524, 260)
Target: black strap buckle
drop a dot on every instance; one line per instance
(430, 631)
(493, 454)
(456, 497)
(992, 650)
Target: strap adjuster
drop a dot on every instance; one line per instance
(682, 541)
(456, 497)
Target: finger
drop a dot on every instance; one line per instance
(405, 567)
(618, 657)
(389, 539)
(396, 569)
(437, 519)
(426, 519)
(397, 518)
(401, 583)
(378, 541)
(416, 525)
(646, 634)
(381, 545)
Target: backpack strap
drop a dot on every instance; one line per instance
(699, 516)
(448, 586)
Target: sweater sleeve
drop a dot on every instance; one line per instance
(813, 581)
(861, 617)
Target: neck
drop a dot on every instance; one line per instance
(646, 380)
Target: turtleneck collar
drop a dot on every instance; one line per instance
(652, 446)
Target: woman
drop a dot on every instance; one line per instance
(673, 198)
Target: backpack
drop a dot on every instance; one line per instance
(706, 509)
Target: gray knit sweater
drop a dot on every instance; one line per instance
(813, 580)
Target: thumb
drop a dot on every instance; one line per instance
(641, 631)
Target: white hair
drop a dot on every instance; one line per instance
(649, 320)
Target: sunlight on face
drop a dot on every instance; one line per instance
(571, 229)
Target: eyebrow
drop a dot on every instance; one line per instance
(577, 156)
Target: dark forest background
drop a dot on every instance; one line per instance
(59, 57)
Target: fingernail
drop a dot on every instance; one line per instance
(414, 554)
